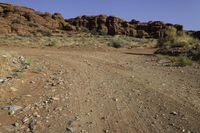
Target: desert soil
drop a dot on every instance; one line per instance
(97, 90)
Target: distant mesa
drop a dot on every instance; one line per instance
(24, 21)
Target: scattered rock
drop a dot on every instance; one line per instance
(25, 120)
(32, 125)
(12, 127)
(36, 114)
(12, 108)
(27, 108)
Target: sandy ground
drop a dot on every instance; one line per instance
(94, 90)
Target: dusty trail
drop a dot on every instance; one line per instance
(95, 91)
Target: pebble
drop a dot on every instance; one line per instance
(2, 80)
(13, 89)
(32, 125)
(115, 99)
(32, 82)
(105, 131)
(12, 108)
(69, 129)
(36, 114)
(82, 130)
(16, 124)
(55, 98)
(25, 120)
(174, 113)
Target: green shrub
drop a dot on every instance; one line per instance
(45, 32)
(183, 61)
(85, 29)
(103, 32)
(94, 31)
(117, 43)
(51, 43)
(98, 32)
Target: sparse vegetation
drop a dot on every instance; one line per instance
(179, 43)
(85, 29)
(183, 61)
(29, 60)
(44, 32)
(94, 31)
(80, 40)
(36, 70)
(7, 61)
(103, 32)
(174, 38)
(117, 43)
(51, 43)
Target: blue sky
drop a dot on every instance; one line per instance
(185, 12)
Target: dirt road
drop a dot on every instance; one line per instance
(97, 90)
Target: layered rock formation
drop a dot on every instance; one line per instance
(22, 20)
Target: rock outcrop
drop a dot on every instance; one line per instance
(22, 20)
(116, 26)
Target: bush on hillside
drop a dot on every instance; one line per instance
(174, 38)
(183, 61)
(179, 43)
(117, 43)
(103, 32)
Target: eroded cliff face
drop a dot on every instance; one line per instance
(22, 20)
